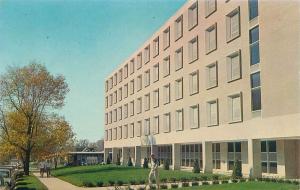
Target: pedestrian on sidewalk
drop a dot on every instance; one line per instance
(42, 168)
(154, 171)
(48, 168)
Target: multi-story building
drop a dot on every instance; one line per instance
(218, 82)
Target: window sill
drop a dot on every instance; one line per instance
(210, 51)
(146, 62)
(177, 69)
(207, 15)
(192, 61)
(192, 27)
(211, 87)
(166, 103)
(213, 125)
(156, 55)
(194, 127)
(232, 80)
(156, 106)
(178, 38)
(165, 48)
(178, 130)
(232, 39)
(155, 81)
(179, 98)
(233, 122)
(166, 75)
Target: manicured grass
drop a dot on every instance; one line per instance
(30, 183)
(105, 173)
(247, 186)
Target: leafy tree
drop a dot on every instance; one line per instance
(129, 163)
(28, 97)
(145, 164)
(166, 164)
(237, 170)
(196, 167)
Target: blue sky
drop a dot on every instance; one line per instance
(82, 39)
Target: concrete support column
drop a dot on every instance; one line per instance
(244, 152)
(137, 156)
(207, 157)
(125, 156)
(106, 154)
(115, 152)
(254, 161)
(154, 150)
(176, 156)
(280, 158)
(224, 155)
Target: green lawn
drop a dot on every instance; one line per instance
(77, 175)
(29, 183)
(248, 186)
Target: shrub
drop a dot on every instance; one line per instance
(215, 182)
(234, 181)
(129, 163)
(288, 181)
(274, 180)
(203, 178)
(195, 183)
(88, 184)
(108, 161)
(163, 186)
(237, 170)
(215, 177)
(251, 179)
(120, 182)
(166, 164)
(111, 182)
(132, 182)
(141, 188)
(99, 184)
(280, 180)
(205, 183)
(185, 184)
(152, 187)
(267, 179)
(145, 164)
(174, 186)
(163, 180)
(196, 167)
(142, 182)
(118, 160)
(224, 181)
(296, 182)
(195, 178)
(173, 179)
(183, 179)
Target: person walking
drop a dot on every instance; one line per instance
(48, 168)
(154, 171)
(42, 168)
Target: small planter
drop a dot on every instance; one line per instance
(205, 183)
(152, 187)
(195, 183)
(174, 186)
(88, 184)
(120, 183)
(111, 183)
(132, 182)
(234, 180)
(100, 184)
(224, 181)
(215, 182)
(142, 182)
(185, 184)
(163, 186)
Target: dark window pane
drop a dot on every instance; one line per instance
(264, 167)
(230, 147)
(255, 80)
(273, 168)
(196, 148)
(254, 35)
(256, 99)
(238, 147)
(254, 53)
(218, 164)
(253, 9)
(217, 147)
(263, 146)
(230, 165)
(272, 146)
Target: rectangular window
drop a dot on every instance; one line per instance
(212, 75)
(110, 134)
(120, 113)
(178, 28)
(178, 59)
(166, 66)
(139, 61)
(179, 89)
(139, 129)
(190, 153)
(194, 116)
(120, 93)
(131, 130)
(216, 156)
(255, 92)
(125, 110)
(167, 122)
(147, 127)
(106, 101)
(211, 38)
(125, 71)
(193, 16)
(125, 131)
(125, 90)
(120, 132)
(179, 119)
(254, 46)
(156, 124)
(106, 118)
(110, 117)
(269, 157)
(132, 108)
(233, 24)
(235, 107)
(120, 75)
(111, 82)
(210, 7)
(110, 99)
(115, 115)
(147, 78)
(234, 66)
(115, 97)
(115, 134)
(164, 153)
(131, 68)
(253, 9)
(115, 79)
(139, 83)
(147, 54)
(194, 82)
(167, 94)
(139, 105)
(147, 102)
(156, 98)
(106, 135)
(166, 38)
(193, 49)
(132, 87)
(212, 113)
(106, 86)
(155, 47)
(233, 154)
(156, 72)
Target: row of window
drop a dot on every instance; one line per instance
(232, 31)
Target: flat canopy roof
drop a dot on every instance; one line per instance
(86, 152)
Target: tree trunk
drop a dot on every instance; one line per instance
(26, 162)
